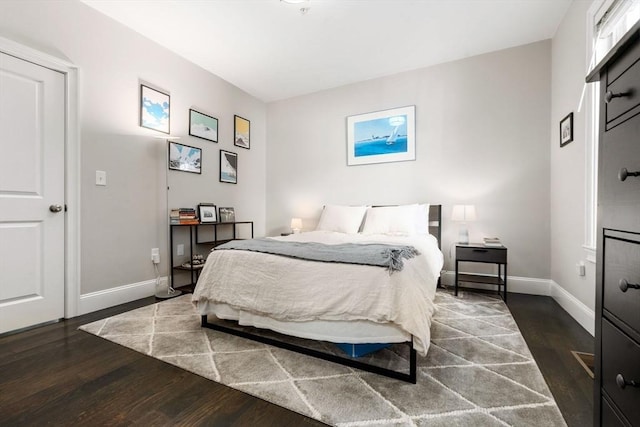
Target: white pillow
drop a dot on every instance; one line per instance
(394, 220)
(422, 219)
(343, 219)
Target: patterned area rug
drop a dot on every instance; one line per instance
(478, 371)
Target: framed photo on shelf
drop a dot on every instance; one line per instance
(228, 167)
(203, 126)
(381, 136)
(227, 214)
(566, 130)
(184, 158)
(154, 109)
(207, 213)
(241, 132)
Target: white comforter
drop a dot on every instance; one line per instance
(296, 290)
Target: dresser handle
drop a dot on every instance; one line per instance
(622, 383)
(479, 250)
(624, 174)
(624, 285)
(608, 96)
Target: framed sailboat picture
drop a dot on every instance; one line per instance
(381, 136)
(228, 167)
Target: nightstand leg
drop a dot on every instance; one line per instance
(456, 281)
(505, 283)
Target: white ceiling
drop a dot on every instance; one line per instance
(272, 51)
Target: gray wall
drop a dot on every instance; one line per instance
(482, 137)
(568, 163)
(121, 222)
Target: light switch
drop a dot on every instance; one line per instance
(101, 178)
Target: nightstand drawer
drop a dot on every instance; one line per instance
(620, 356)
(481, 254)
(621, 276)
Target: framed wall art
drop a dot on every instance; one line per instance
(207, 213)
(242, 132)
(228, 167)
(203, 126)
(381, 136)
(227, 215)
(154, 109)
(566, 130)
(184, 158)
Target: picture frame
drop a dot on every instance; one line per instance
(228, 167)
(207, 213)
(203, 126)
(566, 130)
(381, 136)
(155, 109)
(184, 158)
(241, 132)
(227, 214)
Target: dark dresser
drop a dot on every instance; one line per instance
(617, 343)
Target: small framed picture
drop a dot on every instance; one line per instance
(184, 158)
(566, 130)
(242, 132)
(227, 214)
(228, 167)
(203, 126)
(207, 213)
(154, 109)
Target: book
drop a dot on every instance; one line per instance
(492, 242)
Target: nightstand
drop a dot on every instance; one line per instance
(478, 252)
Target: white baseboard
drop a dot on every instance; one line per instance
(95, 301)
(576, 308)
(546, 287)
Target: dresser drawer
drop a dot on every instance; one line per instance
(621, 356)
(481, 254)
(622, 270)
(623, 78)
(609, 416)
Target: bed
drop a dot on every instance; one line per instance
(335, 302)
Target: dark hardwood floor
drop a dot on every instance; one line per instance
(57, 375)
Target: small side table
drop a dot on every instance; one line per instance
(478, 252)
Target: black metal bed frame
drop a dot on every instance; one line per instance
(435, 228)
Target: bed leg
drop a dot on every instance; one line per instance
(203, 320)
(412, 368)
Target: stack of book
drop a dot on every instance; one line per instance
(492, 242)
(183, 216)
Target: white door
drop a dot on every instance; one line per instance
(32, 245)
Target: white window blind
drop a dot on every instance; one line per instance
(613, 19)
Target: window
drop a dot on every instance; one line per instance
(607, 22)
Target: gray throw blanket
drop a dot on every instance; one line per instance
(390, 256)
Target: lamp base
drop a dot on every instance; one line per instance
(463, 235)
(169, 294)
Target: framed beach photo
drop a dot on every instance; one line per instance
(203, 126)
(207, 213)
(381, 136)
(566, 130)
(154, 109)
(228, 167)
(242, 132)
(227, 215)
(184, 158)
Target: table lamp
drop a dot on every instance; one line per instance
(463, 214)
(296, 225)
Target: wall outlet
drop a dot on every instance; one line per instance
(180, 250)
(155, 255)
(101, 178)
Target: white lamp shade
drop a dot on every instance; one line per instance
(463, 213)
(296, 224)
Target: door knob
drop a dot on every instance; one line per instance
(55, 208)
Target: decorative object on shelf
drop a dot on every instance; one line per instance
(463, 214)
(381, 136)
(228, 167)
(227, 214)
(154, 109)
(296, 225)
(566, 130)
(241, 132)
(203, 126)
(184, 158)
(197, 261)
(207, 213)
